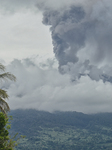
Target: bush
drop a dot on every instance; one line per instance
(6, 143)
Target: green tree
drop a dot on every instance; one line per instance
(4, 107)
(6, 143)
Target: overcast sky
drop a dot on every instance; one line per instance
(60, 52)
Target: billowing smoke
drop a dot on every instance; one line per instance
(66, 34)
(81, 36)
(81, 33)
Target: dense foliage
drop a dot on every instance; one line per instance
(62, 130)
(6, 143)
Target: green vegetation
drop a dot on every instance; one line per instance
(6, 143)
(62, 130)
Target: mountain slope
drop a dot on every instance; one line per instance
(62, 130)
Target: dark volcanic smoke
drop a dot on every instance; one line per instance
(81, 38)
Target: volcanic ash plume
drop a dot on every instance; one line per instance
(81, 37)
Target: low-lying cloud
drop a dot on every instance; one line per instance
(40, 86)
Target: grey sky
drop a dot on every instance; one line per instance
(22, 31)
(60, 69)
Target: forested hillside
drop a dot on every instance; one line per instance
(62, 130)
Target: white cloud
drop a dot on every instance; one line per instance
(47, 89)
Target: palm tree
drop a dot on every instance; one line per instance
(4, 107)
